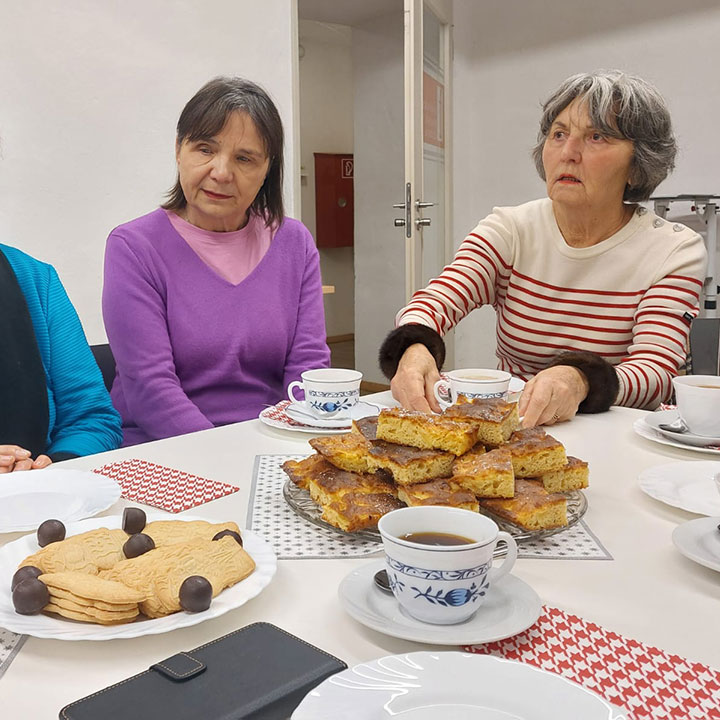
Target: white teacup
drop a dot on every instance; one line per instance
(473, 383)
(329, 392)
(442, 584)
(698, 403)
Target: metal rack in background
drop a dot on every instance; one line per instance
(705, 331)
(706, 208)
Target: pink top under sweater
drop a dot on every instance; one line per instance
(232, 255)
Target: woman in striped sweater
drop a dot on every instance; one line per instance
(594, 294)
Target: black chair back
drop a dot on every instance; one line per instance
(705, 346)
(106, 362)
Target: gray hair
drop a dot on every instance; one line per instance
(621, 106)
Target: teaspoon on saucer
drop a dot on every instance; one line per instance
(677, 426)
(381, 580)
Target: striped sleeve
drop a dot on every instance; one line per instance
(661, 327)
(477, 276)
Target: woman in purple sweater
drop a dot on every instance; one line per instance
(213, 302)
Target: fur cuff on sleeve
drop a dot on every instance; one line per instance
(601, 376)
(400, 339)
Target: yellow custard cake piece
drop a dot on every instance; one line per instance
(534, 452)
(423, 430)
(438, 492)
(532, 508)
(349, 451)
(405, 463)
(487, 474)
(494, 418)
(300, 471)
(355, 511)
(574, 475)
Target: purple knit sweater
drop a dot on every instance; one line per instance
(193, 350)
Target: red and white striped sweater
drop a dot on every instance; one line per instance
(629, 299)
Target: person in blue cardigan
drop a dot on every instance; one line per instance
(53, 402)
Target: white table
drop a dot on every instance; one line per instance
(649, 592)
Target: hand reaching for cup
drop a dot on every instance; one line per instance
(14, 458)
(413, 383)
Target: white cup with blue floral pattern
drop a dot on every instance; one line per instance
(442, 584)
(471, 383)
(329, 392)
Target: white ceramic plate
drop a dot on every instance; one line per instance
(699, 540)
(451, 686)
(511, 607)
(641, 428)
(667, 417)
(300, 414)
(688, 485)
(29, 498)
(46, 626)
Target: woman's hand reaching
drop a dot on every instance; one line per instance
(413, 383)
(552, 396)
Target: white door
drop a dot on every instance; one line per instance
(425, 217)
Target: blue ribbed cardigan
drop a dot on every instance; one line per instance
(82, 419)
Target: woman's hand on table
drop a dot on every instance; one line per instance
(552, 396)
(14, 458)
(413, 383)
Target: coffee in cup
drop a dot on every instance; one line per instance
(698, 403)
(472, 383)
(442, 582)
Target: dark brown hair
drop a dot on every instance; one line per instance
(205, 116)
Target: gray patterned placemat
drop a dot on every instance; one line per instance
(10, 645)
(294, 537)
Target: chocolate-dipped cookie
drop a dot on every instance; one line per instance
(50, 531)
(138, 544)
(30, 596)
(195, 594)
(133, 520)
(29, 571)
(231, 533)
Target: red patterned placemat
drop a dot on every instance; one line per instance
(163, 487)
(645, 681)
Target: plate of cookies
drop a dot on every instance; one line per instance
(473, 456)
(122, 577)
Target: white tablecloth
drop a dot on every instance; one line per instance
(649, 591)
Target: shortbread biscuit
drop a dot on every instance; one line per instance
(159, 573)
(99, 617)
(57, 594)
(120, 615)
(168, 532)
(93, 587)
(89, 552)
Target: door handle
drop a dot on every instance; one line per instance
(399, 222)
(419, 204)
(407, 207)
(422, 222)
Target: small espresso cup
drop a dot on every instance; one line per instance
(472, 383)
(442, 584)
(329, 392)
(698, 403)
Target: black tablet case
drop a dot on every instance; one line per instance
(259, 672)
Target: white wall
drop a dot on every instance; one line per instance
(326, 125)
(510, 55)
(379, 170)
(89, 96)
